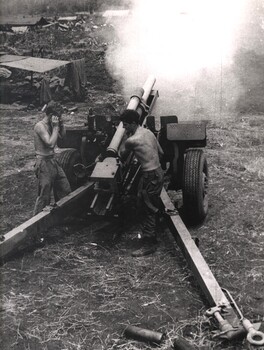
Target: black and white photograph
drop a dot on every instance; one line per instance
(132, 174)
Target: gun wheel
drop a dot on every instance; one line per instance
(67, 159)
(195, 186)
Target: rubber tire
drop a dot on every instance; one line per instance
(195, 184)
(67, 159)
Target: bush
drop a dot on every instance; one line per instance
(249, 68)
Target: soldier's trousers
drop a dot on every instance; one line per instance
(51, 177)
(149, 189)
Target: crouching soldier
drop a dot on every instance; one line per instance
(50, 175)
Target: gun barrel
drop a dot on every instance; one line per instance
(141, 94)
(135, 99)
(116, 140)
(147, 87)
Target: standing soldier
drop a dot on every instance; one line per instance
(50, 175)
(147, 150)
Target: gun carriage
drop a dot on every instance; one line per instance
(182, 143)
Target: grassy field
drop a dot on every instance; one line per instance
(80, 290)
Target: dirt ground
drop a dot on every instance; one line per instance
(80, 290)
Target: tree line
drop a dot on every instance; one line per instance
(52, 7)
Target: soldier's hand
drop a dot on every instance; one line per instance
(55, 121)
(98, 159)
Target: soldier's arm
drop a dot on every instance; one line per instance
(125, 148)
(160, 150)
(62, 129)
(49, 140)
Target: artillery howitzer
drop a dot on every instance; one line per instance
(183, 155)
(108, 181)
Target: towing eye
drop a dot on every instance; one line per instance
(253, 337)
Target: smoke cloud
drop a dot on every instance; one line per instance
(189, 46)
